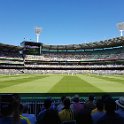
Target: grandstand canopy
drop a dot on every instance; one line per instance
(7, 47)
(114, 42)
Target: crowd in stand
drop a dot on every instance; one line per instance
(69, 72)
(74, 65)
(10, 54)
(75, 57)
(11, 71)
(12, 60)
(101, 110)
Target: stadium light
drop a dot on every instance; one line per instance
(120, 27)
(37, 32)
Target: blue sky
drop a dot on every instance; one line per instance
(63, 21)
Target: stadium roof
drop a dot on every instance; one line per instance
(114, 42)
(7, 47)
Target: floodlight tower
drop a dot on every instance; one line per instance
(120, 27)
(37, 32)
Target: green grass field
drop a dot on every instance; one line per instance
(37, 83)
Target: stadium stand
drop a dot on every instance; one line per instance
(97, 57)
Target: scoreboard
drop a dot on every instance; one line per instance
(31, 48)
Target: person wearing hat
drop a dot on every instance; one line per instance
(120, 106)
(110, 116)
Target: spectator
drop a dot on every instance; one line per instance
(76, 106)
(110, 117)
(99, 112)
(9, 112)
(48, 115)
(120, 106)
(84, 117)
(89, 104)
(61, 105)
(66, 114)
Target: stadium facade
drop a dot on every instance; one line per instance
(100, 57)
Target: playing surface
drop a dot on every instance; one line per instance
(61, 83)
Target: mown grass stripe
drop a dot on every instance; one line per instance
(115, 76)
(38, 86)
(8, 78)
(15, 81)
(36, 83)
(106, 86)
(15, 75)
(107, 78)
(73, 84)
(120, 76)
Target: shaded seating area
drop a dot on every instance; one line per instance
(45, 111)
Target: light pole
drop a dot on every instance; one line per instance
(120, 27)
(37, 32)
